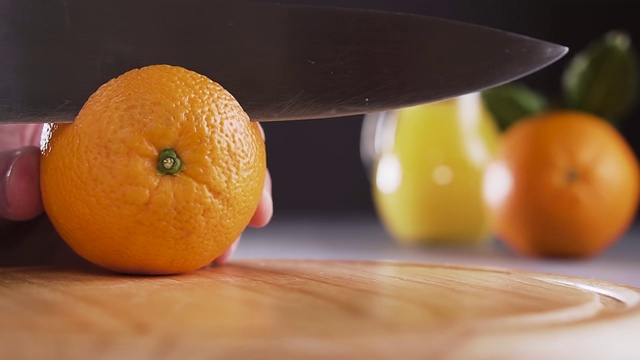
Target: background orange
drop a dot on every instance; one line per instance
(563, 183)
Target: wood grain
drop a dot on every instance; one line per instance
(287, 309)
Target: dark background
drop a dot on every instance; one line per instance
(315, 164)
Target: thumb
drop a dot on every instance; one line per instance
(20, 197)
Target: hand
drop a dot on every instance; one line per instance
(19, 159)
(26, 236)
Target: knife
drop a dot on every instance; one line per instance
(281, 62)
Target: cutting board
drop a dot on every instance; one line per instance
(285, 309)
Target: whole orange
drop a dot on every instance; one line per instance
(562, 184)
(159, 173)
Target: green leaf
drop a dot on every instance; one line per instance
(602, 79)
(510, 102)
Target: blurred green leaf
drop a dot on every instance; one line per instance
(510, 102)
(603, 78)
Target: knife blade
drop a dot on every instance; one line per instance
(281, 62)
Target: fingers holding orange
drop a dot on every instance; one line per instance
(264, 212)
(16, 136)
(260, 218)
(19, 184)
(19, 174)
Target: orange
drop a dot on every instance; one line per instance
(159, 173)
(562, 184)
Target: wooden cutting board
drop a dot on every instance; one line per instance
(316, 310)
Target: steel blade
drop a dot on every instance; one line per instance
(282, 62)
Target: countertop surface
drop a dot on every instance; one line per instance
(364, 238)
(340, 288)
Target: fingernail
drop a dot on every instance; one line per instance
(6, 178)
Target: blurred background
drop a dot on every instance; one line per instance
(316, 165)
